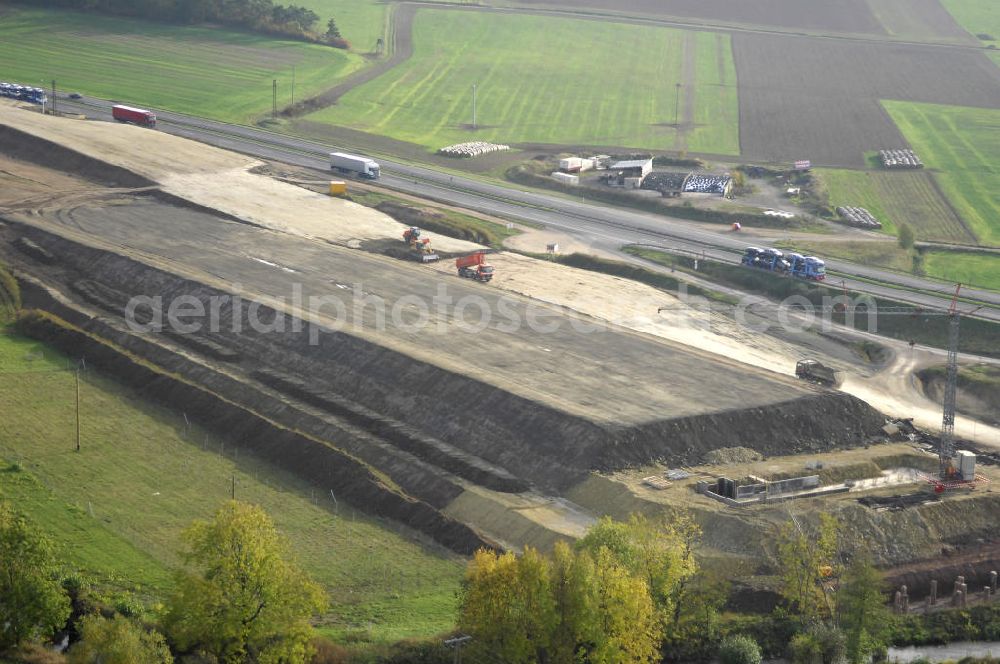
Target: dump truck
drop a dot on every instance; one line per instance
(475, 267)
(352, 163)
(133, 115)
(420, 247)
(816, 372)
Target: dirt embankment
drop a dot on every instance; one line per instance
(22, 146)
(467, 417)
(978, 390)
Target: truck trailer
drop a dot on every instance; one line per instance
(352, 163)
(133, 115)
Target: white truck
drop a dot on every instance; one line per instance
(352, 163)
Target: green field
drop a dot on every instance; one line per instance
(977, 270)
(361, 22)
(546, 80)
(977, 17)
(118, 506)
(215, 73)
(960, 145)
(896, 198)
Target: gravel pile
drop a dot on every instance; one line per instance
(727, 455)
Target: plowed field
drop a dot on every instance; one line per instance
(819, 99)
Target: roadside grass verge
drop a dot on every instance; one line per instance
(977, 336)
(960, 145)
(544, 80)
(143, 475)
(972, 269)
(444, 221)
(216, 73)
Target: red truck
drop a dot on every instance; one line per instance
(475, 267)
(134, 115)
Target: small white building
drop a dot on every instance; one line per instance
(566, 178)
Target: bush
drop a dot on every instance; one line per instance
(328, 652)
(820, 644)
(739, 649)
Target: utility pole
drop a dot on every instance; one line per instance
(474, 125)
(54, 97)
(233, 492)
(677, 106)
(274, 99)
(78, 409)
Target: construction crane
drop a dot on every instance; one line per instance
(946, 448)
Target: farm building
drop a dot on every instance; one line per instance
(638, 168)
(629, 174)
(703, 184)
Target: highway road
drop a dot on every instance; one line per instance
(597, 225)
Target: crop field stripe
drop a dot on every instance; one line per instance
(958, 144)
(535, 87)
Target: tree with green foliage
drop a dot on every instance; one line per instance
(660, 552)
(118, 640)
(332, 31)
(739, 649)
(245, 599)
(32, 601)
(805, 559)
(570, 608)
(862, 612)
(507, 605)
(629, 626)
(905, 236)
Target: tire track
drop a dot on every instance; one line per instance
(689, 81)
(401, 49)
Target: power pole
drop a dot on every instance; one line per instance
(233, 493)
(78, 409)
(54, 97)
(274, 99)
(677, 106)
(474, 126)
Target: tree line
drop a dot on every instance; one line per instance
(263, 16)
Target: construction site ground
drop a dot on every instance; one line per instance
(549, 407)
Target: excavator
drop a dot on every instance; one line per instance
(474, 266)
(420, 248)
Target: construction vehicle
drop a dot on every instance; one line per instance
(816, 372)
(420, 248)
(352, 163)
(133, 115)
(475, 267)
